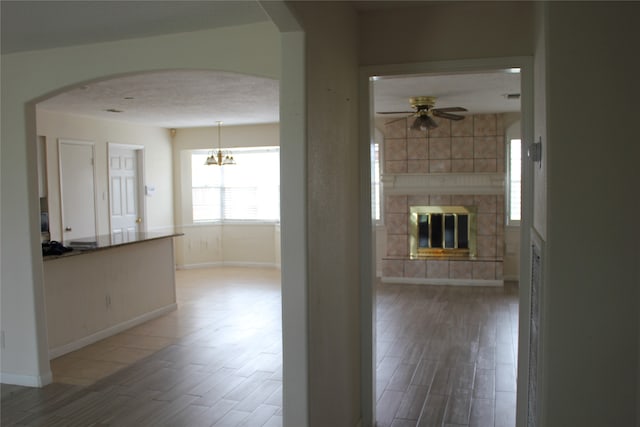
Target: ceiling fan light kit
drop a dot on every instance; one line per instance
(424, 122)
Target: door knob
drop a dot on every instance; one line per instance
(67, 229)
(138, 220)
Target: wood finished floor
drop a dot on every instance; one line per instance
(216, 361)
(446, 357)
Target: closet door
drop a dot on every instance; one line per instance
(77, 190)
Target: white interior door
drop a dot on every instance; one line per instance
(124, 190)
(77, 190)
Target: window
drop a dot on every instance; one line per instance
(514, 182)
(247, 191)
(375, 181)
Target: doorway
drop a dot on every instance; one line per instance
(369, 75)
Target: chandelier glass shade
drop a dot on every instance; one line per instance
(219, 157)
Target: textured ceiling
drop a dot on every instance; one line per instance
(175, 99)
(179, 99)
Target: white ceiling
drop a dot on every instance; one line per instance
(479, 93)
(200, 98)
(30, 25)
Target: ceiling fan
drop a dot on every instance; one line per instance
(424, 112)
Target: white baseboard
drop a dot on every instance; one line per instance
(105, 333)
(249, 264)
(442, 282)
(26, 380)
(228, 264)
(200, 265)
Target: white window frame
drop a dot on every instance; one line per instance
(510, 183)
(221, 219)
(376, 183)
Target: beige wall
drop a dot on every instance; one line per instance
(157, 160)
(211, 244)
(591, 293)
(445, 31)
(29, 76)
(540, 116)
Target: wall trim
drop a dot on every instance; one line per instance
(444, 183)
(245, 264)
(112, 330)
(26, 380)
(442, 282)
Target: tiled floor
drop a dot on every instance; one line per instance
(446, 357)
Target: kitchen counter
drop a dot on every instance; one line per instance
(114, 285)
(106, 241)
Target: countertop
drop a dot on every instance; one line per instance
(106, 241)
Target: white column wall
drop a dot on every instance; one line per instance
(332, 182)
(592, 286)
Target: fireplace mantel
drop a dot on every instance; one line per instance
(444, 183)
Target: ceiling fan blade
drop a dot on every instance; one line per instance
(449, 109)
(447, 115)
(394, 120)
(394, 112)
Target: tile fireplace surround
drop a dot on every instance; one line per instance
(456, 164)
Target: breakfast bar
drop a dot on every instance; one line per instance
(106, 285)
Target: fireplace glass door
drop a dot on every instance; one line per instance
(442, 230)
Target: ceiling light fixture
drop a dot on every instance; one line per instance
(220, 158)
(424, 121)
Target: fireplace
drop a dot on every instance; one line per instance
(442, 231)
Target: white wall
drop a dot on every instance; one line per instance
(332, 212)
(209, 244)
(158, 165)
(30, 76)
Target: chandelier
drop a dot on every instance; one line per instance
(220, 157)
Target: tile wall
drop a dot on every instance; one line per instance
(472, 145)
(475, 144)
